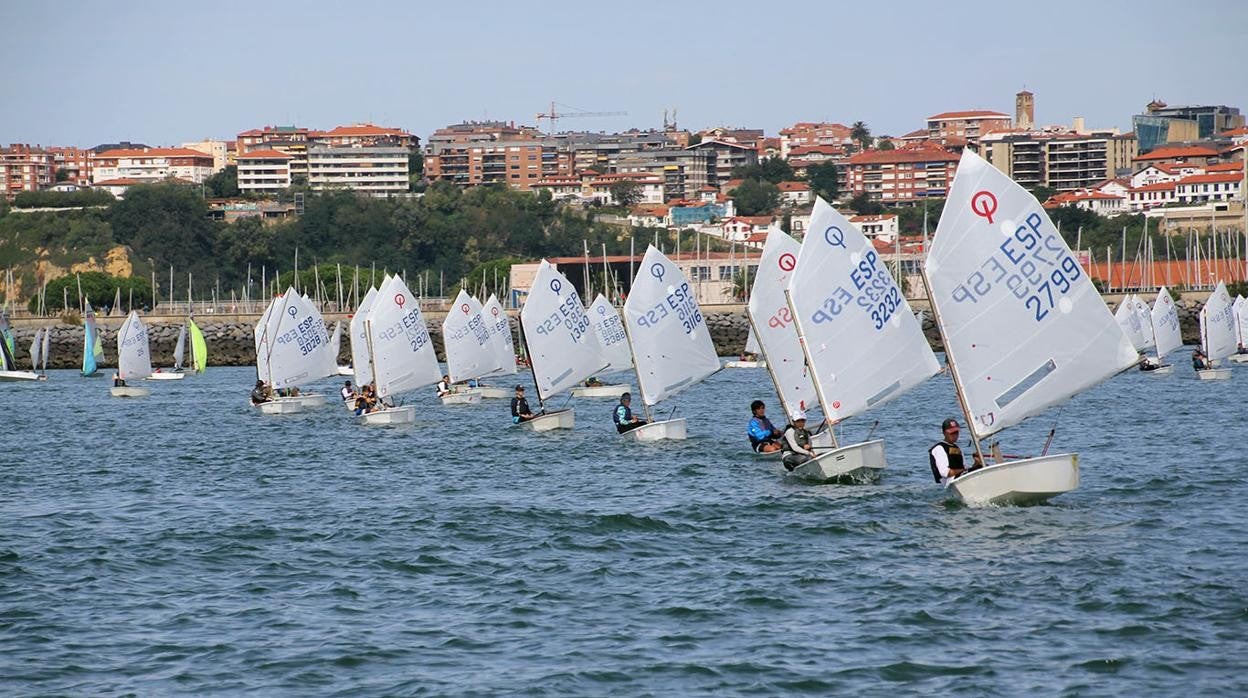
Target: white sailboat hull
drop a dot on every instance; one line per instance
(279, 407)
(346, 371)
(20, 376)
(1160, 371)
(1027, 481)
(671, 429)
(560, 419)
(166, 376)
(309, 400)
(1238, 358)
(390, 415)
(745, 364)
(857, 462)
(488, 392)
(128, 391)
(601, 390)
(462, 398)
(1214, 374)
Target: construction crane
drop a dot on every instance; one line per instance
(553, 115)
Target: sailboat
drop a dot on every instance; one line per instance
(560, 343)
(1023, 327)
(1240, 310)
(92, 344)
(609, 329)
(134, 356)
(862, 342)
(38, 352)
(502, 344)
(672, 347)
(1128, 318)
(199, 347)
(401, 354)
(752, 348)
(771, 323)
(1164, 323)
(8, 364)
(179, 350)
(361, 359)
(292, 351)
(1217, 333)
(335, 346)
(470, 350)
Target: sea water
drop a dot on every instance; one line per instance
(184, 543)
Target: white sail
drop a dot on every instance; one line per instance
(263, 334)
(1146, 322)
(1166, 324)
(1240, 309)
(403, 357)
(36, 346)
(1217, 325)
(500, 337)
(179, 349)
(47, 348)
(1021, 319)
(777, 335)
(1128, 318)
(297, 343)
(864, 343)
(470, 353)
(563, 349)
(671, 343)
(335, 340)
(751, 343)
(134, 356)
(361, 360)
(609, 328)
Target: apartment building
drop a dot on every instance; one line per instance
(291, 140)
(1061, 160)
(25, 168)
(805, 134)
(219, 150)
(149, 165)
(724, 157)
(1161, 123)
(263, 171)
(377, 171)
(685, 172)
(904, 175)
(78, 164)
(957, 128)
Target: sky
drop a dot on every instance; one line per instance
(85, 73)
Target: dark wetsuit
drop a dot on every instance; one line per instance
(519, 407)
(623, 418)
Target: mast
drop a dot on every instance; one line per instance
(645, 406)
(953, 369)
(814, 375)
(372, 360)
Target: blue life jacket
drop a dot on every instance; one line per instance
(760, 430)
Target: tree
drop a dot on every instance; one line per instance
(99, 288)
(62, 174)
(861, 134)
(626, 193)
(864, 206)
(223, 184)
(774, 170)
(885, 144)
(753, 197)
(1043, 193)
(823, 180)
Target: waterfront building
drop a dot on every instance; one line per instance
(217, 149)
(1065, 160)
(1161, 123)
(903, 175)
(263, 171)
(77, 164)
(804, 134)
(151, 165)
(378, 171)
(956, 128)
(795, 193)
(25, 168)
(724, 156)
(884, 227)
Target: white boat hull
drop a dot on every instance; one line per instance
(1238, 358)
(128, 391)
(1214, 374)
(488, 392)
(1160, 371)
(672, 429)
(560, 419)
(279, 407)
(462, 398)
(346, 371)
(1027, 481)
(390, 415)
(745, 364)
(857, 462)
(166, 376)
(20, 376)
(309, 400)
(601, 390)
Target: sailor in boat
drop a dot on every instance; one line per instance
(347, 392)
(946, 456)
(520, 411)
(623, 416)
(1147, 364)
(1199, 361)
(444, 387)
(260, 393)
(366, 400)
(748, 356)
(764, 436)
(593, 382)
(117, 381)
(797, 448)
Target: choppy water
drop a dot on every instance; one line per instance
(183, 544)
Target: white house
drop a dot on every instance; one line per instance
(884, 228)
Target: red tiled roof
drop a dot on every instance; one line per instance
(823, 149)
(872, 218)
(900, 155)
(1157, 186)
(264, 155)
(657, 210)
(1168, 152)
(1241, 131)
(1225, 167)
(972, 114)
(118, 182)
(152, 152)
(917, 133)
(363, 130)
(1215, 178)
(793, 186)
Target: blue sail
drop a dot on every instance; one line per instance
(89, 340)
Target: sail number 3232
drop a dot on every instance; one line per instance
(1033, 266)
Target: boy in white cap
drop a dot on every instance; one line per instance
(797, 449)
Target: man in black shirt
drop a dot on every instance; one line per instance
(946, 457)
(520, 407)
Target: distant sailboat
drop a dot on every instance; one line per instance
(1023, 327)
(1217, 333)
(8, 364)
(179, 350)
(862, 342)
(560, 343)
(292, 350)
(1166, 334)
(134, 356)
(361, 359)
(335, 347)
(92, 344)
(199, 347)
(470, 353)
(1133, 325)
(401, 353)
(1240, 310)
(609, 328)
(503, 345)
(752, 348)
(672, 346)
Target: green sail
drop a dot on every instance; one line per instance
(199, 349)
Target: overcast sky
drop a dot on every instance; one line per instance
(84, 73)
